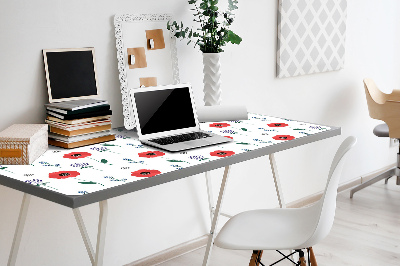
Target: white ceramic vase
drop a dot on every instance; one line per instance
(212, 75)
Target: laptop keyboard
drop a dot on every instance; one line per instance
(180, 138)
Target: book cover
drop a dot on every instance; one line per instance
(78, 121)
(79, 116)
(77, 104)
(79, 137)
(79, 131)
(69, 127)
(79, 111)
(81, 143)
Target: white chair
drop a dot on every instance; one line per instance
(287, 229)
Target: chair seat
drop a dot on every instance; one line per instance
(381, 130)
(269, 229)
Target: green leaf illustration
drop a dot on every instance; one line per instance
(244, 129)
(175, 161)
(103, 161)
(88, 183)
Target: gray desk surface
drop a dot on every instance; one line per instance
(90, 174)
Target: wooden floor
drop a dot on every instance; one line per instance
(366, 232)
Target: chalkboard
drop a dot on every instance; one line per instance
(70, 74)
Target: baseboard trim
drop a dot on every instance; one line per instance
(200, 242)
(172, 252)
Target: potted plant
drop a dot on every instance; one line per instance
(212, 35)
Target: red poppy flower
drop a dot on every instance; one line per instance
(229, 137)
(219, 125)
(151, 154)
(277, 125)
(64, 174)
(76, 155)
(222, 153)
(283, 137)
(145, 172)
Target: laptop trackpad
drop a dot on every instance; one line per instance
(197, 143)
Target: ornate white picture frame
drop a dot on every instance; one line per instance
(130, 32)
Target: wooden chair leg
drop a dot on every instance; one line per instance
(313, 260)
(255, 257)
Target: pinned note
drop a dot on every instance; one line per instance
(137, 58)
(148, 82)
(155, 39)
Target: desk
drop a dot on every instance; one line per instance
(78, 177)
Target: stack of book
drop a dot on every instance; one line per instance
(78, 123)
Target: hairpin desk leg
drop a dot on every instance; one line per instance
(19, 229)
(210, 194)
(95, 258)
(215, 217)
(85, 236)
(277, 182)
(101, 233)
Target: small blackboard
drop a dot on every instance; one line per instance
(70, 74)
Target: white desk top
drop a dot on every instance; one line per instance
(89, 174)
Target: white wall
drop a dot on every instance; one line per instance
(146, 222)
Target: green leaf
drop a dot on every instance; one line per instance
(88, 183)
(214, 8)
(103, 161)
(203, 5)
(233, 38)
(244, 129)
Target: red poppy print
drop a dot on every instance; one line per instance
(222, 153)
(151, 154)
(229, 137)
(64, 174)
(283, 137)
(77, 155)
(277, 125)
(145, 173)
(219, 125)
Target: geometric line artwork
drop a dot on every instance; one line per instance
(311, 36)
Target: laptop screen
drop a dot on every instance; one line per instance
(164, 110)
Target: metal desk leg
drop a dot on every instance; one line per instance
(85, 236)
(215, 217)
(95, 258)
(277, 182)
(210, 195)
(101, 233)
(19, 229)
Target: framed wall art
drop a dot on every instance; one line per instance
(311, 36)
(146, 53)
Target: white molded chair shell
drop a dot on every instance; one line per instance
(272, 229)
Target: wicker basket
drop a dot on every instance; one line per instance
(22, 143)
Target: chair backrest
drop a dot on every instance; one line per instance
(327, 203)
(382, 106)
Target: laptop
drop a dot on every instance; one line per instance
(166, 118)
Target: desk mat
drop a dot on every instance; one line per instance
(97, 167)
